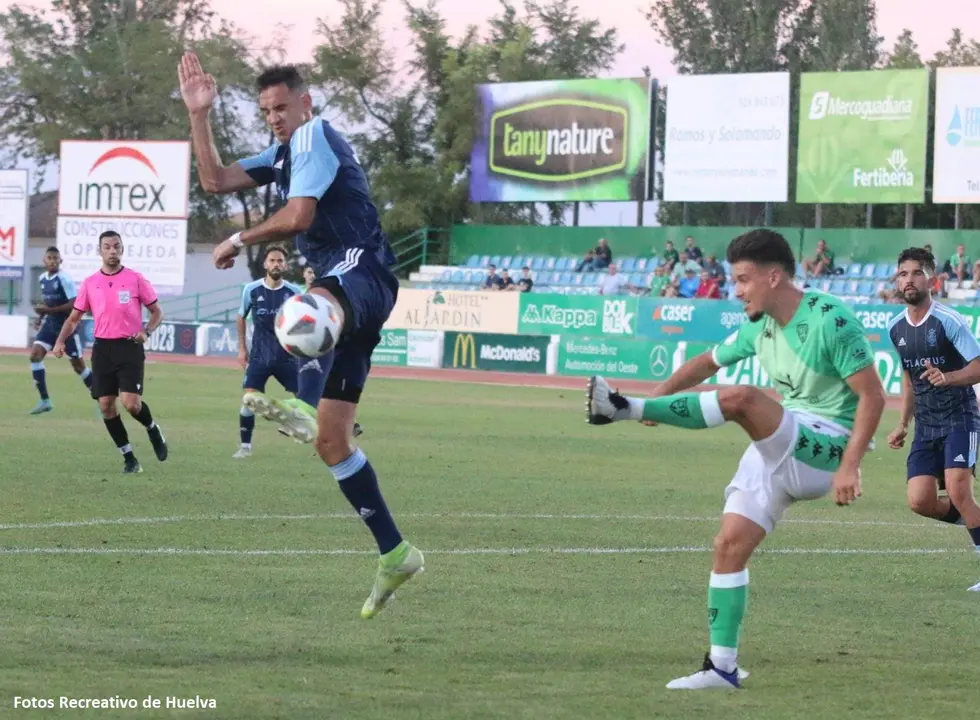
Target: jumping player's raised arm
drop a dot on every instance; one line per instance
(199, 90)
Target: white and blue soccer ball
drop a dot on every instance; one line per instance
(307, 326)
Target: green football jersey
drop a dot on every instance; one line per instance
(809, 360)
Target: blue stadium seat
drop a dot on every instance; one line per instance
(881, 286)
(883, 271)
(639, 280)
(536, 262)
(653, 263)
(473, 261)
(851, 287)
(591, 278)
(505, 262)
(579, 278)
(476, 277)
(484, 261)
(866, 289)
(495, 261)
(854, 270)
(518, 262)
(458, 277)
(446, 275)
(627, 264)
(869, 270)
(837, 287)
(565, 263)
(641, 264)
(565, 278)
(824, 285)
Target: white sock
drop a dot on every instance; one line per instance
(724, 658)
(636, 408)
(246, 446)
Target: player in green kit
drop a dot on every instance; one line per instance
(814, 350)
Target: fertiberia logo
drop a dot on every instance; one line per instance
(558, 140)
(824, 105)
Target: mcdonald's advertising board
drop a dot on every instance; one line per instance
(502, 353)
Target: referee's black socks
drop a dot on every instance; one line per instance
(117, 431)
(144, 417)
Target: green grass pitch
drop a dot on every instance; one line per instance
(566, 568)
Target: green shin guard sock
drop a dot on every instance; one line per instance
(728, 597)
(694, 411)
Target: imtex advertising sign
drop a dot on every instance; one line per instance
(863, 137)
(562, 140)
(124, 179)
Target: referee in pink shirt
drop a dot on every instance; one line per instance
(116, 296)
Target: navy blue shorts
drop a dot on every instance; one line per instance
(369, 291)
(47, 336)
(258, 374)
(933, 457)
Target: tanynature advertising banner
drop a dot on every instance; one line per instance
(506, 353)
(14, 200)
(576, 314)
(455, 310)
(862, 137)
(956, 147)
(562, 140)
(727, 138)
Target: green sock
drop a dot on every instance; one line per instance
(728, 598)
(694, 411)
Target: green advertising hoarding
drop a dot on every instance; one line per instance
(502, 353)
(562, 140)
(577, 314)
(862, 137)
(392, 350)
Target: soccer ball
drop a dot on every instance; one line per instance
(307, 326)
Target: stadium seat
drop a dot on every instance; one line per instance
(627, 264)
(866, 289)
(883, 271)
(505, 262)
(579, 278)
(473, 261)
(484, 261)
(641, 264)
(638, 280)
(591, 278)
(653, 263)
(495, 261)
(851, 287)
(824, 285)
(476, 277)
(854, 270)
(837, 287)
(869, 270)
(446, 275)
(564, 263)
(565, 278)
(458, 276)
(518, 262)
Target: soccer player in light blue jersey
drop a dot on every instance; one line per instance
(327, 207)
(941, 364)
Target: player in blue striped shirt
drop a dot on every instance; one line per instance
(57, 300)
(941, 362)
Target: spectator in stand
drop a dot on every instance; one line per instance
(613, 283)
(822, 263)
(715, 268)
(670, 256)
(492, 281)
(693, 251)
(525, 283)
(942, 275)
(960, 264)
(708, 287)
(603, 255)
(687, 286)
(587, 263)
(659, 281)
(506, 281)
(308, 277)
(683, 266)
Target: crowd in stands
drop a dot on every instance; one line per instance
(690, 273)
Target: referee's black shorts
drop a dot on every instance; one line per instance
(117, 366)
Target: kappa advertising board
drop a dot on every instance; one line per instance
(156, 248)
(124, 179)
(476, 311)
(577, 315)
(862, 137)
(727, 138)
(14, 200)
(956, 147)
(562, 140)
(506, 353)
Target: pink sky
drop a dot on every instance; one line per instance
(931, 20)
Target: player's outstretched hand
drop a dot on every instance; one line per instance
(196, 87)
(224, 254)
(847, 485)
(934, 375)
(59, 349)
(896, 438)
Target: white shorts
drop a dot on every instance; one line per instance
(771, 475)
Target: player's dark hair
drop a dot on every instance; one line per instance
(763, 247)
(277, 248)
(52, 249)
(287, 75)
(919, 255)
(108, 234)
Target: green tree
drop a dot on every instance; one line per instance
(414, 124)
(716, 36)
(105, 70)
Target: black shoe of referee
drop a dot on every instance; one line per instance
(132, 465)
(159, 442)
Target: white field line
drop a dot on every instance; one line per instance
(212, 552)
(175, 519)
